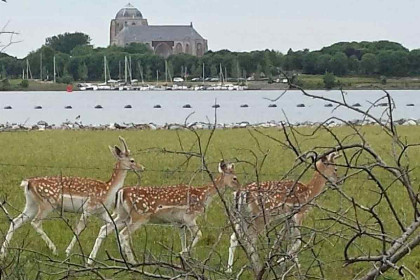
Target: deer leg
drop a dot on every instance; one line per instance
(251, 243)
(37, 225)
(296, 236)
(195, 233)
(183, 236)
(293, 252)
(27, 215)
(125, 237)
(81, 225)
(233, 244)
(110, 226)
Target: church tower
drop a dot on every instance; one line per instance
(127, 16)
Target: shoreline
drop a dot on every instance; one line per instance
(308, 82)
(42, 125)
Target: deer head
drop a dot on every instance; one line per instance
(123, 157)
(228, 176)
(326, 166)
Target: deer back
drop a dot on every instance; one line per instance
(153, 199)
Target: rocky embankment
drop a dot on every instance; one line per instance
(42, 125)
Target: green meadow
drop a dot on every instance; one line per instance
(86, 154)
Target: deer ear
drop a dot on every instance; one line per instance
(222, 166)
(333, 156)
(112, 150)
(311, 155)
(118, 152)
(231, 167)
(324, 159)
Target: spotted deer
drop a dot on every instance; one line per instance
(178, 205)
(270, 201)
(71, 194)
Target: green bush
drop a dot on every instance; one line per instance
(383, 80)
(66, 79)
(5, 85)
(329, 80)
(24, 83)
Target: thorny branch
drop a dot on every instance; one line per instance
(7, 38)
(370, 215)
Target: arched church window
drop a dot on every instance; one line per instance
(178, 48)
(199, 49)
(163, 49)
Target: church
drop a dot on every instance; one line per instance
(129, 26)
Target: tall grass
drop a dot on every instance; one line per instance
(86, 154)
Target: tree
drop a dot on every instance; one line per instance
(329, 80)
(414, 58)
(354, 64)
(310, 62)
(83, 72)
(368, 64)
(81, 50)
(3, 73)
(339, 64)
(66, 42)
(213, 71)
(323, 64)
(393, 63)
(294, 60)
(138, 48)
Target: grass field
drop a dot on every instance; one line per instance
(86, 154)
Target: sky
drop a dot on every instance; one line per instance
(237, 25)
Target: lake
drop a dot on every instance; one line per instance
(171, 102)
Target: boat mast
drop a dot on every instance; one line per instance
(166, 71)
(221, 73)
(105, 69)
(109, 72)
(125, 69)
(203, 74)
(129, 68)
(54, 69)
(119, 69)
(237, 70)
(40, 67)
(141, 72)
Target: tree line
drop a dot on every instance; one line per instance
(77, 60)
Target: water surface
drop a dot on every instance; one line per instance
(53, 106)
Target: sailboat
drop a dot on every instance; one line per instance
(104, 85)
(127, 72)
(143, 86)
(202, 87)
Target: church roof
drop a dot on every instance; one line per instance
(148, 33)
(129, 12)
